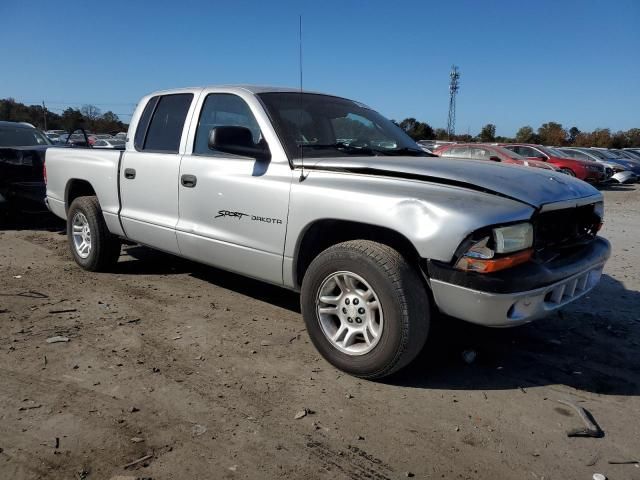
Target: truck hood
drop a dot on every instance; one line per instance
(535, 187)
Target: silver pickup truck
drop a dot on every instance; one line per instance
(325, 196)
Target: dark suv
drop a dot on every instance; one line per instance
(22, 164)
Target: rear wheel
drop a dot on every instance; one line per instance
(365, 307)
(92, 245)
(568, 171)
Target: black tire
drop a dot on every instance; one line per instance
(568, 171)
(401, 293)
(105, 247)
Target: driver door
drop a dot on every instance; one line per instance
(233, 209)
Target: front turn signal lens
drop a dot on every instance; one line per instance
(494, 264)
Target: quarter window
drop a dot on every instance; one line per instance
(165, 129)
(223, 110)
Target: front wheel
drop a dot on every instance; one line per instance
(92, 246)
(365, 308)
(568, 171)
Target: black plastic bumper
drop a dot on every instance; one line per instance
(528, 276)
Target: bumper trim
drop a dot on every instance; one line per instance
(511, 309)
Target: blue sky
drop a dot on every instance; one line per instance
(575, 62)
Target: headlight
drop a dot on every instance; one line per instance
(516, 240)
(513, 238)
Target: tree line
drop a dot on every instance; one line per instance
(550, 133)
(88, 117)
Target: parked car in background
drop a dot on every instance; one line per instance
(53, 137)
(22, 165)
(591, 172)
(616, 172)
(496, 153)
(427, 145)
(628, 154)
(633, 150)
(109, 143)
(80, 140)
(122, 135)
(608, 156)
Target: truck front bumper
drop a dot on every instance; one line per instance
(521, 294)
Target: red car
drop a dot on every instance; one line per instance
(589, 171)
(481, 151)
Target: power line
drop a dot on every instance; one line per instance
(61, 110)
(57, 102)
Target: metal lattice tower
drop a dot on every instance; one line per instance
(454, 75)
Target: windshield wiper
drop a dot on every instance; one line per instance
(344, 147)
(410, 151)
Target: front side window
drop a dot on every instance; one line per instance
(167, 123)
(314, 125)
(552, 152)
(223, 110)
(598, 154)
(526, 152)
(505, 152)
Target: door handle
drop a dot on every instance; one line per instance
(188, 181)
(129, 173)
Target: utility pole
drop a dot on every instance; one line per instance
(44, 115)
(454, 76)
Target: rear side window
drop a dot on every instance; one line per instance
(165, 129)
(143, 123)
(456, 152)
(480, 154)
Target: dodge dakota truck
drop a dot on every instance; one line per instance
(325, 196)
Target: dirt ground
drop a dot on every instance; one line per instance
(203, 373)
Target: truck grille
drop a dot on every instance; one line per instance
(566, 228)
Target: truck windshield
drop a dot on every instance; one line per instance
(20, 136)
(316, 125)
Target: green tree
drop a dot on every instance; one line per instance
(552, 133)
(601, 137)
(72, 119)
(633, 137)
(488, 133)
(441, 134)
(526, 135)
(109, 122)
(417, 130)
(619, 140)
(573, 134)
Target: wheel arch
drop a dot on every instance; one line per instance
(322, 234)
(77, 188)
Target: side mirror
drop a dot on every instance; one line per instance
(237, 141)
(494, 158)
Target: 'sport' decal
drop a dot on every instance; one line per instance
(254, 218)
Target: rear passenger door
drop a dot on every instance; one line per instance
(149, 173)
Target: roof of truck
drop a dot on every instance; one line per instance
(249, 88)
